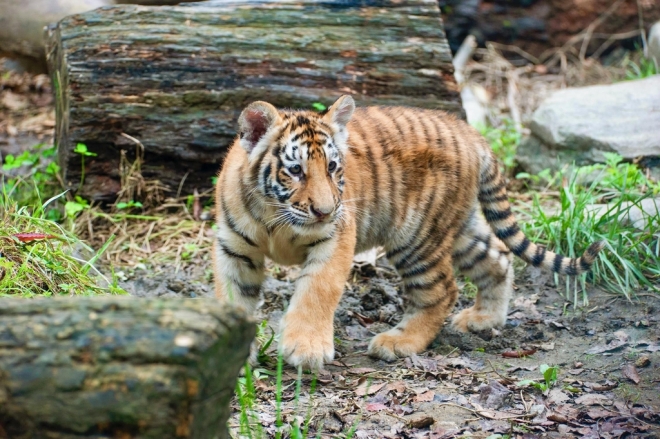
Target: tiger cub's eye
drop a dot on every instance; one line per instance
(332, 166)
(295, 169)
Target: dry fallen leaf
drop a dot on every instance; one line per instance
(601, 387)
(368, 388)
(425, 397)
(594, 399)
(611, 346)
(375, 407)
(13, 101)
(361, 370)
(630, 371)
(598, 413)
(398, 386)
(557, 396)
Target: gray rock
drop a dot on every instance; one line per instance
(644, 215)
(581, 124)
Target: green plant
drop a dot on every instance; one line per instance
(40, 258)
(319, 106)
(38, 179)
(82, 150)
(74, 207)
(128, 205)
(549, 378)
(631, 258)
(645, 68)
(504, 140)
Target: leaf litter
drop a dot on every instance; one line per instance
(464, 386)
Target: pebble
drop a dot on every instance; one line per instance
(643, 361)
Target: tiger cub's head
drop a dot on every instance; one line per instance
(296, 159)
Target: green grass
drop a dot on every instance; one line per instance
(39, 257)
(295, 426)
(644, 68)
(630, 261)
(504, 140)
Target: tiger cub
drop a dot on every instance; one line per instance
(305, 188)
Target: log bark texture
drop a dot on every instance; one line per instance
(118, 368)
(176, 78)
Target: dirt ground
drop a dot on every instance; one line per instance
(606, 353)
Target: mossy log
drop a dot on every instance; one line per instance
(118, 368)
(176, 78)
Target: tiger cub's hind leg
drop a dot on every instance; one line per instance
(487, 262)
(432, 293)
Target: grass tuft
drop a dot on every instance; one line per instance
(38, 257)
(601, 202)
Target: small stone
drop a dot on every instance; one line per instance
(421, 421)
(643, 361)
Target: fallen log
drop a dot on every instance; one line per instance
(118, 368)
(175, 79)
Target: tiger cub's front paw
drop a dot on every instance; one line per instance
(306, 343)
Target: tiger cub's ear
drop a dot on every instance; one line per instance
(338, 115)
(341, 111)
(254, 122)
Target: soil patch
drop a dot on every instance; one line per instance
(606, 354)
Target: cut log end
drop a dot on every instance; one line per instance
(109, 367)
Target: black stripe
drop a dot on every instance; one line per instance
(417, 233)
(427, 285)
(235, 255)
(267, 184)
(465, 251)
(319, 241)
(496, 215)
(421, 269)
(249, 290)
(457, 154)
(522, 247)
(503, 234)
(256, 165)
(556, 264)
(496, 199)
(539, 256)
(232, 224)
(477, 279)
(412, 136)
(571, 270)
(494, 173)
(584, 265)
(492, 191)
(372, 164)
(480, 257)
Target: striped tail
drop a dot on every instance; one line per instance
(497, 210)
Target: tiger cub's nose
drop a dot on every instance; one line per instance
(321, 212)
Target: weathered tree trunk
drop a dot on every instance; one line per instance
(176, 78)
(118, 368)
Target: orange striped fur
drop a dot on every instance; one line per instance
(313, 189)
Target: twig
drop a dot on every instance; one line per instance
(463, 55)
(642, 31)
(484, 414)
(529, 57)
(590, 29)
(611, 39)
